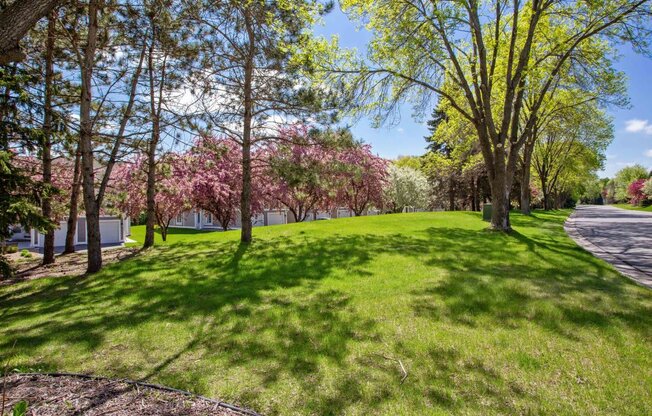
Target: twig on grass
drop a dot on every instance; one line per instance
(404, 372)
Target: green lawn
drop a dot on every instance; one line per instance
(309, 319)
(633, 207)
(174, 235)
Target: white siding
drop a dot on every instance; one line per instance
(110, 231)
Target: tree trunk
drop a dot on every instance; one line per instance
(74, 204)
(500, 186)
(245, 197)
(15, 21)
(86, 145)
(525, 180)
(48, 245)
(451, 194)
(151, 188)
(154, 140)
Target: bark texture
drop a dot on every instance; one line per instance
(15, 21)
(48, 246)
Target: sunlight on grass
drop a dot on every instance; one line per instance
(311, 318)
(633, 207)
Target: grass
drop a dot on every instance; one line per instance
(310, 318)
(175, 234)
(634, 207)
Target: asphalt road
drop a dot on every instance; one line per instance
(622, 237)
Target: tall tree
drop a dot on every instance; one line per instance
(167, 54)
(89, 59)
(488, 51)
(570, 150)
(251, 75)
(46, 146)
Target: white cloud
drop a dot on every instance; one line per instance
(648, 153)
(635, 125)
(400, 130)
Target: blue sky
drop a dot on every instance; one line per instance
(633, 126)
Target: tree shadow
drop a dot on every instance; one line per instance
(241, 321)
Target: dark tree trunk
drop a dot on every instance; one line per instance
(155, 114)
(525, 180)
(451, 194)
(500, 186)
(15, 21)
(74, 204)
(245, 198)
(48, 246)
(86, 145)
(151, 189)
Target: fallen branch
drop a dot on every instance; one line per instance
(404, 372)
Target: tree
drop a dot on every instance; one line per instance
(165, 72)
(16, 20)
(636, 192)
(406, 187)
(301, 172)
(490, 55)
(647, 188)
(215, 177)
(453, 164)
(21, 196)
(254, 74)
(89, 58)
(570, 150)
(173, 193)
(626, 176)
(362, 178)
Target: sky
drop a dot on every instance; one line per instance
(632, 126)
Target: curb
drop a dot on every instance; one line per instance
(628, 270)
(241, 410)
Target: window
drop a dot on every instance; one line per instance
(208, 218)
(179, 219)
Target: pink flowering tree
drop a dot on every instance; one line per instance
(62, 179)
(362, 178)
(300, 170)
(635, 190)
(172, 190)
(216, 178)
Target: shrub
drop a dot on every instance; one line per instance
(647, 188)
(635, 192)
(25, 253)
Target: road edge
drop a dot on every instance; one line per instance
(631, 272)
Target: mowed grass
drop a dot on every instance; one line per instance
(175, 234)
(313, 319)
(634, 207)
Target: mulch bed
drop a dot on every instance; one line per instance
(69, 265)
(48, 395)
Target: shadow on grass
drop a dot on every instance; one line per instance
(229, 297)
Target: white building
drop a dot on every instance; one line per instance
(113, 231)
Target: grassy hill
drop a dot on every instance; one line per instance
(317, 318)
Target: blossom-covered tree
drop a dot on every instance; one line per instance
(362, 178)
(406, 187)
(216, 178)
(647, 188)
(301, 172)
(172, 193)
(636, 192)
(60, 186)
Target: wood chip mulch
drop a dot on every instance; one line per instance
(69, 395)
(69, 265)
